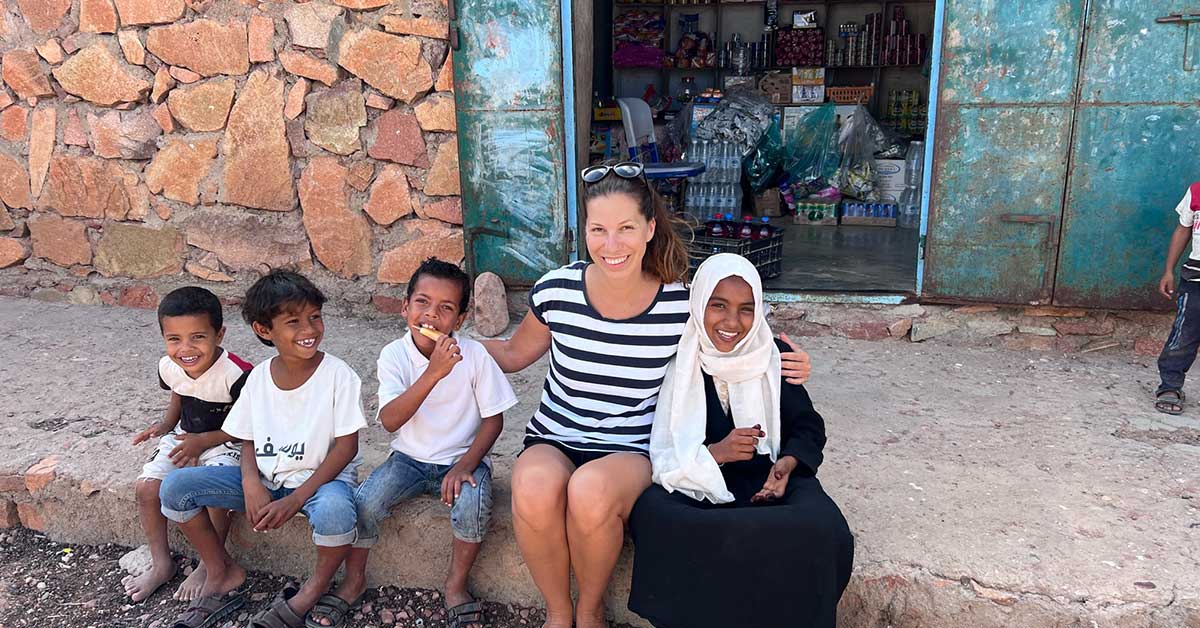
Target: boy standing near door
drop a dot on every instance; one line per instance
(1179, 352)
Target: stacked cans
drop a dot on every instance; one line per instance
(874, 43)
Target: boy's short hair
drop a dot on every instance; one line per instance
(191, 301)
(434, 267)
(274, 293)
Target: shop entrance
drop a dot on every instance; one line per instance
(840, 89)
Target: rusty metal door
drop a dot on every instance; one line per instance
(1006, 99)
(1135, 151)
(509, 96)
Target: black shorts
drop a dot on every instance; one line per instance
(576, 456)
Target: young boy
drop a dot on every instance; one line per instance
(204, 381)
(443, 396)
(298, 419)
(1179, 352)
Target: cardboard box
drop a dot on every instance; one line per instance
(889, 179)
(767, 203)
(868, 221)
(808, 93)
(606, 114)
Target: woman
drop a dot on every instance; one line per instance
(737, 530)
(611, 327)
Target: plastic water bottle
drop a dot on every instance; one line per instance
(764, 232)
(747, 232)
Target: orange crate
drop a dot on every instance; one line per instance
(850, 95)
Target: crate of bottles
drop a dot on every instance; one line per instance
(758, 242)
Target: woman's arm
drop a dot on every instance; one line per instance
(528, 343)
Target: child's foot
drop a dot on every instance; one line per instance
(1169, 402)
(229, 579)
(191, 586)
(141, 587)
(459, 616)
(350, 590)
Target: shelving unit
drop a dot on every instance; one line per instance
(721, 19)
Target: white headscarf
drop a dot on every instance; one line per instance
(678, 455)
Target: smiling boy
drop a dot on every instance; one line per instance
(204, 381)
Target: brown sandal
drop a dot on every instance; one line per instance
(209, 610)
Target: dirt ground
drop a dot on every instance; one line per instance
(48, 584)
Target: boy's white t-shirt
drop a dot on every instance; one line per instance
(1187, 211)
(293, 430)
(443, 428)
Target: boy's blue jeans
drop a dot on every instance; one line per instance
(400, 478)
(185, 493)
(1179, 352)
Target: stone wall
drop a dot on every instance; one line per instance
(148, 144)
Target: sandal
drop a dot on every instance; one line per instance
(331, 607)
(279, 615)
(466, 614)
(1166, 405)
(209, 610)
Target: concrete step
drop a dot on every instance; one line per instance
(985, 487)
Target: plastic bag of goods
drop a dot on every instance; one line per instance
(762, 165)
(741, 118)
(856, 175)
(811, 155)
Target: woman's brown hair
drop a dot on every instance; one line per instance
(666, 254)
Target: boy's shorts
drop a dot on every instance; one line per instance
(400, 478)
(159, 465)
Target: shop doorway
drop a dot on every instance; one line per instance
(878, 54)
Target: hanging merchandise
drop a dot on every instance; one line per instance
(771, 15)
(762, 166)
(812, 154)
(638, 37)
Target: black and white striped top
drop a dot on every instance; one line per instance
(604, 376)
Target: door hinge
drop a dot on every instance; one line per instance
(570, 240)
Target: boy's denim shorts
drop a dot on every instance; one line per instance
(187, 492)
(400, 478)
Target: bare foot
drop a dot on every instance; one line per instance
(141, 587)
(349, 590)
(227, 580)
(191, 586)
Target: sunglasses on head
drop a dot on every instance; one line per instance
(625, 170)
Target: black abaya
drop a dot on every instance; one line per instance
(744, 565)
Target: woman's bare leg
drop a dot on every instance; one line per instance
(599, 497)
(539, 506)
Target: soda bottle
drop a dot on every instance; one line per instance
(747, 231)
(715, 229)
(764, 232)
(730, 226)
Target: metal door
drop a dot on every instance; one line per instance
(1135, 151)
(509, 97)
(1007, 94)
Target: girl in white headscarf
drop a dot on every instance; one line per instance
(736, 530)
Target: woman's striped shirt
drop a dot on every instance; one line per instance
(604, 376)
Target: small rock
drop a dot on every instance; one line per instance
(1037, 331)
(923, 330)
(387, 617)
(900, 328)
(490, 305)
(137, 562)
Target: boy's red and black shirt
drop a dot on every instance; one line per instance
(206, 400)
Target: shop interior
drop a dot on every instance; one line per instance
(767, 95)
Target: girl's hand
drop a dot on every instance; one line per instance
(795, 364)
(739, 445)
(777, 480)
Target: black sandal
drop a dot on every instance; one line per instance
(210, 610)
(466, 614)
(279, 614)
(331, 607)
(1166, 405)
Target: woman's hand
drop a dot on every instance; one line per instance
(777, 480)
(739, 445)
(795, 365)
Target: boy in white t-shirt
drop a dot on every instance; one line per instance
(444, 400)
(298, 419)
(1179, 352)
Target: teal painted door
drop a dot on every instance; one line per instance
(1136, 149)
(508, 92)
(1006, 100)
